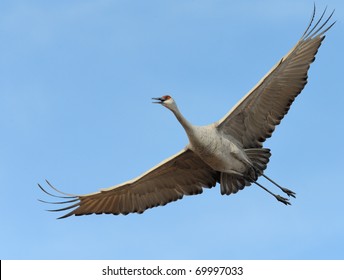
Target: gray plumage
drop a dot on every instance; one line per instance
(229, 152)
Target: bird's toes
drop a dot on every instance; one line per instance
(283, 200)
(289, 192)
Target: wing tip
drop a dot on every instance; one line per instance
(315, 30)
(67, 198)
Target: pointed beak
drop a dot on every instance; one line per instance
(159, 100)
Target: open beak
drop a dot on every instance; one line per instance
(159, 100)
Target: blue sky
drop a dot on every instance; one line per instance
(76, 78)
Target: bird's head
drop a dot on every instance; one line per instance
(166, 101)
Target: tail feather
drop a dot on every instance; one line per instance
(232, 183)
(259, 158)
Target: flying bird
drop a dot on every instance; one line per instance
(229, 152)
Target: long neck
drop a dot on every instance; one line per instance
(189, 128)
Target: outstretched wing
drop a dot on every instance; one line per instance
(255, 116)
(182, 174)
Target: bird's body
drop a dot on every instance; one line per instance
(229, 151)
(219, 151)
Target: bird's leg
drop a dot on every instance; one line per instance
(278, 197)
(285, 190)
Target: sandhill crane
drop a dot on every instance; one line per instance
(229, 151)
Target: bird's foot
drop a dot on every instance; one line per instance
(289, 192)
(283, 200)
